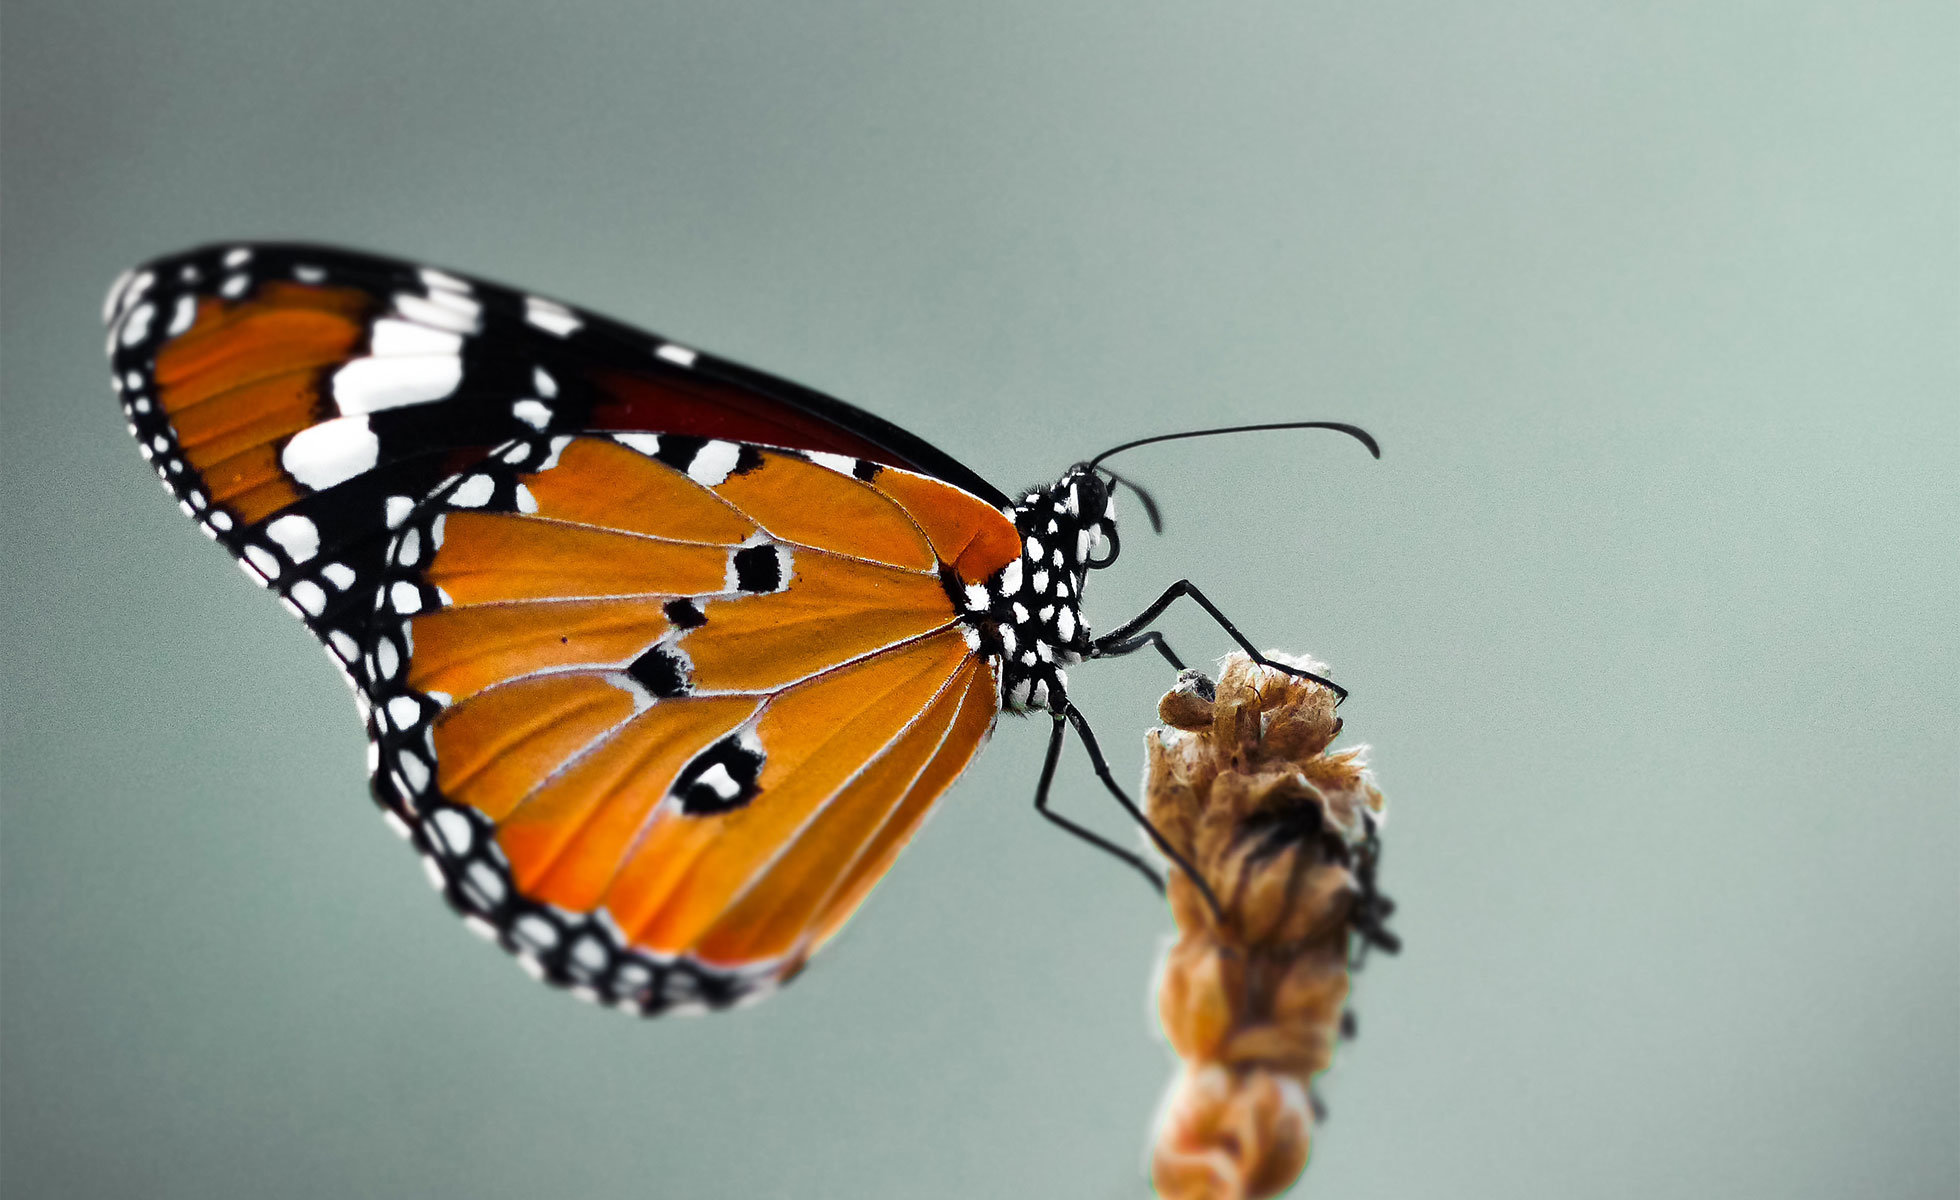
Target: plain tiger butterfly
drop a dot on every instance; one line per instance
(662, 659)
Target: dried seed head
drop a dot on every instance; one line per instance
(1242, 784)
(1228, 1135)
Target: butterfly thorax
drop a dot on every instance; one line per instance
(1027, 617)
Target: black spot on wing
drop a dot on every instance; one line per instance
(661, 671)
(720, 778)
(758, 569)
(685, 614)
(677, 450)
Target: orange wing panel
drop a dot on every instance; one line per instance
(285, 327)
(460, 651)
(252, 482)
(492, 749)
(769, 919)
(835, 610)
(253, 414)
(966, 532)
(566, 841)
(245, 376)
(488, 557)
(602, 483)
(969, 732)
(815, 736)
(799, 501)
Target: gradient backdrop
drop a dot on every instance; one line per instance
(1649, 610)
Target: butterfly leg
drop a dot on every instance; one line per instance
(1129, 635)
(1152, 638)
(1101, 767)
(1094, 839)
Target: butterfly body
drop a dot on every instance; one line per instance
(662, 660)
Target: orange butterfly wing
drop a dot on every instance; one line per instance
(667, 708)
(658, 709)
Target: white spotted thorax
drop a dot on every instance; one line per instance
(1027, 617)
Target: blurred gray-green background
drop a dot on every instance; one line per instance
(1649, 610)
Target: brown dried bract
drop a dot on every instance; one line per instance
(1241, 783)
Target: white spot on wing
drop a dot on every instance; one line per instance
(551, 316)
(535, 931)
(184, 314)
(590, 953)
(264, 560)
(434, 279)
(444, 310)
(712, 463)
(475, 492)
(309, 274)
(307, 595)
(404, 712)
(720, 781)
(331, 452)
(238, 256)
(532, 413)
(414, 770)
(487, 882)
(387, 659)
(297, 536)
(646, 443)
(843, 464)
(391, 335)
(136, 326)
(111, 301)
(454, 830)
(680, 356)
(372, 384)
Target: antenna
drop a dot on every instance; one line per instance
(1354, 431)
(1149, 505)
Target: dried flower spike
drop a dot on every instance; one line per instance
(1241, 782)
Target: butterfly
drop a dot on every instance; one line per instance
(661, 659)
